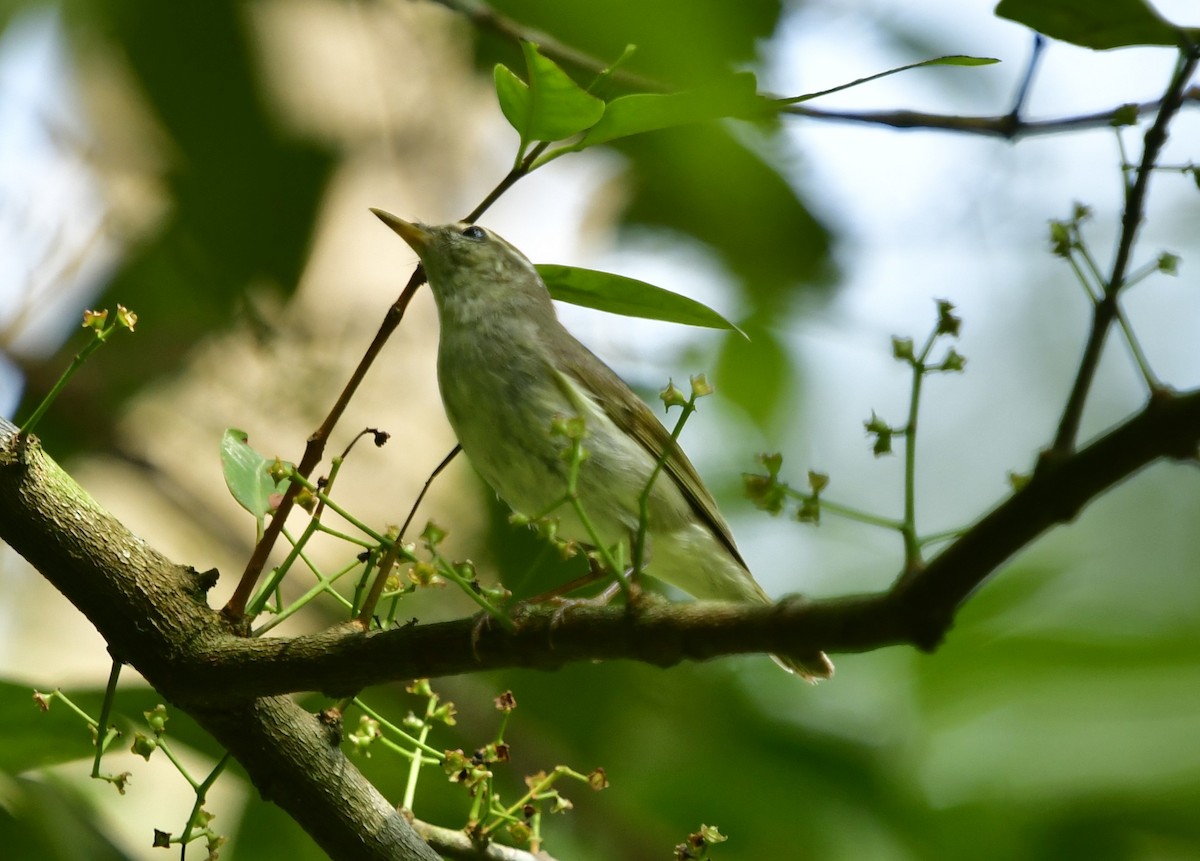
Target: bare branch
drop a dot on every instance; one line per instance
(1106, 309)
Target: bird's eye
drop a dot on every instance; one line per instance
(473, 232)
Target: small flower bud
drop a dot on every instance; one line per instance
(1060, 238)
(817, 481)
(126, 318)
(157, 718)
(701, 387)
(1018, 480)
(144, 745)
(571, 427)
(423, 574)
(672, 396)
(598, 780)
(432, 535)
(764, 491)
(902, 349)
(772, 463)
(877, 425)
(421, 688)
(412, 722)
(948, 323)
(954, 361)
(506, 702)
(95, 319)
(445, 713)
(883, 444)
(1126, 115)
(1168, 263)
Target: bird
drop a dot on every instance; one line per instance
(507, 368)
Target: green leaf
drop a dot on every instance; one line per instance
(949, 60)
(646, 112)
(551, 106)
(247, 474)
(513, 95)
(758, 376)
(958, 60)
(627, 296)
(1096, 25)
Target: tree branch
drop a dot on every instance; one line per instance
(1005, 126)
(153, 615)
(1106, 309)
(203, 666)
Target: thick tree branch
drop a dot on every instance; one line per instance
(200, 665)
(153, 616)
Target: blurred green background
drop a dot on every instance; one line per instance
(219, 158)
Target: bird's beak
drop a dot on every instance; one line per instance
(414, 234)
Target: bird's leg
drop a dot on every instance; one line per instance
(594, 573)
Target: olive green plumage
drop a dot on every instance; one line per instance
(507, 367)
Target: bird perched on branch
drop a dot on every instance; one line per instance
(507, 368)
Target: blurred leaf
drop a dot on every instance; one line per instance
(265, 831)
(247, 474)
(698, 179)
(50, 822)
(35, 739)
(646, 112)
(1101, 26)
(617, 294)
(682, 43)
(757, 376)
(243, 197)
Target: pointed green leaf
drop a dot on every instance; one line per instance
(646, 112)
(759, 376)
(513, 95)
(949, 60)
(246, 474)
(1096, 25)
(960, 60)
(558, 107)
(628, 297)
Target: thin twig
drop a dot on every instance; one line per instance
(987, 126)
(485, 17)
(1105, 309)
(235, 608)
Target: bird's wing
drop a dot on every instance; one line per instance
(629, 413)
